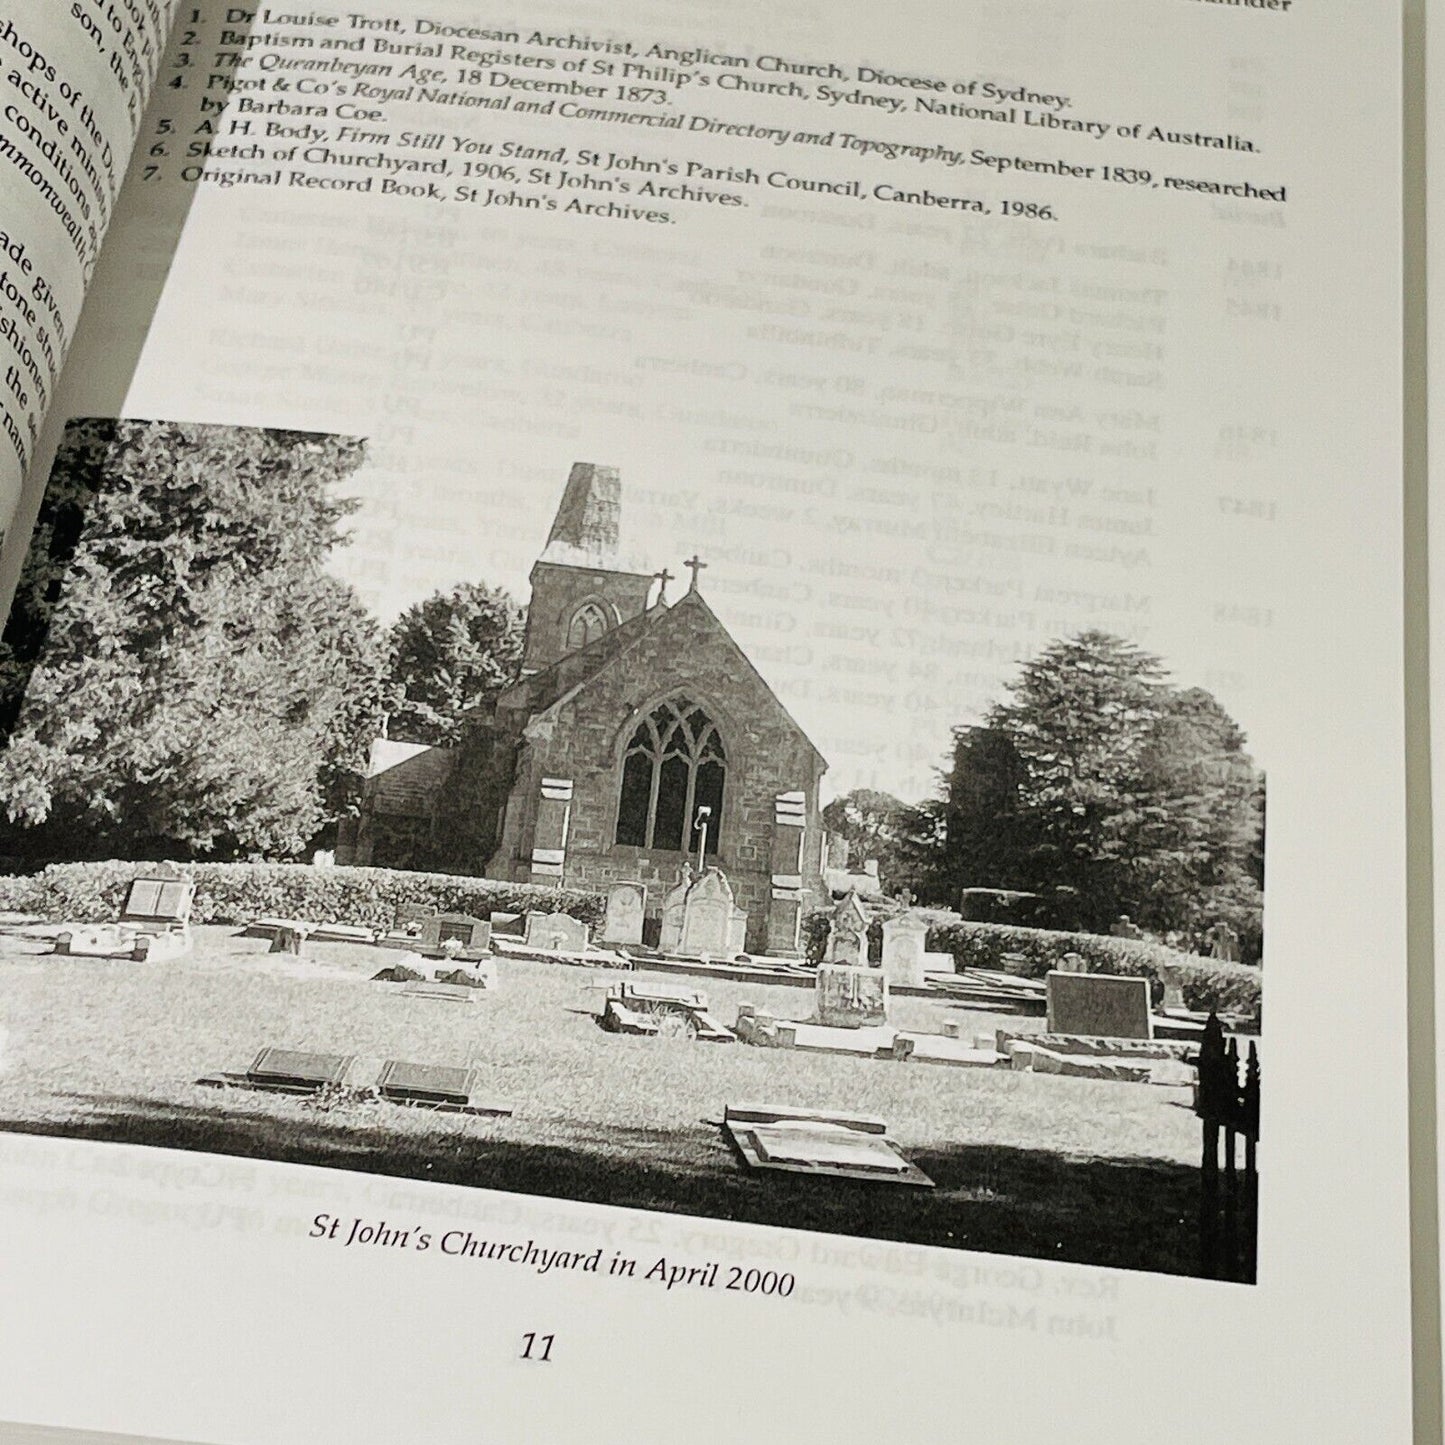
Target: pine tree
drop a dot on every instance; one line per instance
(201, 686)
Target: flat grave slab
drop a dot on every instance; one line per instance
(442, 992)
(876, 1041)
(666, 1018)
(1035, 1059)
(300, 1069)
(288, 1071)
(447, 1088)
(629, 986)
(508, 947)
(1101, 1047)
(821, 1143)
(343, 933)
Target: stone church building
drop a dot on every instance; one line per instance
(638, 733)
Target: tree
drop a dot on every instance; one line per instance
(870, 822)
(200, 685)
(1104, 789)
(450, 656)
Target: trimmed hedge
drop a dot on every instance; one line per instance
(1207, 983)
(242, 892)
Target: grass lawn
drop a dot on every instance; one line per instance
(1077, 1169)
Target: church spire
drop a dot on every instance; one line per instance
(585, 531)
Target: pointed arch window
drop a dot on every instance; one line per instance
(588, 623)
(674, 765)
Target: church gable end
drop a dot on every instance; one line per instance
(674, 722)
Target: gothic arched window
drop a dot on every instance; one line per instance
(588, 623)
(673, 766)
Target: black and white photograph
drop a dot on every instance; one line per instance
(627, 866)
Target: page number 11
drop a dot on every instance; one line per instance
(537, 1347)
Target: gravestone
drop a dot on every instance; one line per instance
(466, 973)
(406, 1083)
(164, 901)
(558, 932)
(847, 997)
(1223, 942)
(158, 908)
(904, 953)
(1073, 963)
(670, 939)
(472, 934)
(848, 934)
(1099, 1004)
(299, 1069)
(407, 919)
(712, 923)
(155, 922)
(819, 1142)
(1172, 977)
(289, 938)
(626, 907)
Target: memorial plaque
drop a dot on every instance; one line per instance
(299, 1069)
(470, 933)
(158, 900)
(1098, 1004)
(408, 1083)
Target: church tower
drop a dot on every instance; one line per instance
(578, 591)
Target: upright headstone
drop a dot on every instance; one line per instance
(1098, 1004)
(1073, 963)
(1172, 977)
(904, 950)
(670, 939)
(709, 918)
(847, 997)
(1223, 942)
(848, 934)
(785, 902)
(472, 934)
(558, 932)
(626, 906)
(290, 938)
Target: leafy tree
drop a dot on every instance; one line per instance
(200, 685)
(871, 823)
(1099, 786)
(451, 655)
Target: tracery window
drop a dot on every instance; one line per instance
(674, 765)
(588, 623)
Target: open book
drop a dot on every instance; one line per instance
(650, 651)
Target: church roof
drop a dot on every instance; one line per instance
(540, 689)
(546, 691)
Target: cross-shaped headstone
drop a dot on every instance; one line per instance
(663, 578)
(695, 564)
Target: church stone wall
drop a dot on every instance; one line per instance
(557, 592)
(582, 737)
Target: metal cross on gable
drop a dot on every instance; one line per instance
(663, 578)
(694, 564)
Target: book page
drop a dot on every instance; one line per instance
(680, 675)
(75, 82)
